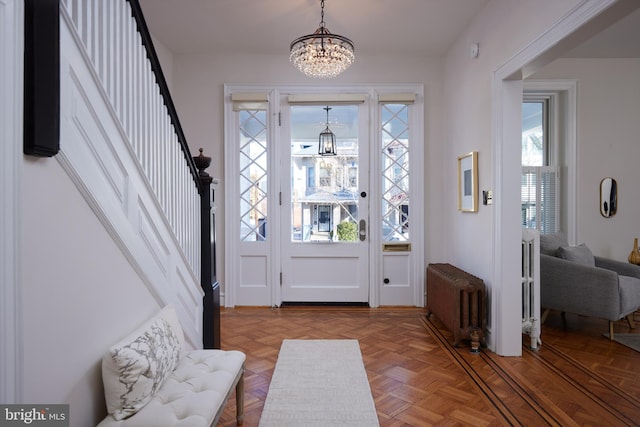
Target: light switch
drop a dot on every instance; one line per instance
(487, 197)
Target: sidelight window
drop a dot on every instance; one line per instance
(395, 171)
(253, 175)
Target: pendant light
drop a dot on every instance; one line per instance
(327, 139)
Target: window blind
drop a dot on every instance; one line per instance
(327, 98)
(540, 198)
(249, 101)
(397, 98)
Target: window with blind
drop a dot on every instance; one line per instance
(540, 184)
(539, 206)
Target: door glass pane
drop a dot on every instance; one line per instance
(253, 175)
(395, 172)
(324, 191)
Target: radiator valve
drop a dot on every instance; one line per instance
(475, 341)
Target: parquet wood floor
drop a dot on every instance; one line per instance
(576, 378)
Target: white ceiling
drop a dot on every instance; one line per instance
(420, 27)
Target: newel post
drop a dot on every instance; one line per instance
(208, 281)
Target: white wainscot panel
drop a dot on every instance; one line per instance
(253, 271)
(152, 239)
(253, 289)
(311, 272)
(189, 295)
(396, 268)
(92, 148)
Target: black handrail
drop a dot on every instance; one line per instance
(164, 89)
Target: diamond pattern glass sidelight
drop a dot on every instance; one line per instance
(253, 175)
(395, 172)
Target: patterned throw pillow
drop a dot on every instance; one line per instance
(141, 367)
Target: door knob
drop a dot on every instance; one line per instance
(363, 230)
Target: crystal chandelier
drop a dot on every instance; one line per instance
(327, 139)
(322, 54)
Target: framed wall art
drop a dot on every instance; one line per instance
(468, 182)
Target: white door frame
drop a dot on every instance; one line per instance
(11, 83)
(232, 264)
(584, 20)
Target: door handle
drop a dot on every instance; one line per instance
(363, 230)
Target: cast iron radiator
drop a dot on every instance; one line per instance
(457, 298)
(531, 286)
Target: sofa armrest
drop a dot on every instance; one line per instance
(620, 267)
(577, 288)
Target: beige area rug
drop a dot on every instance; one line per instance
(319, 383)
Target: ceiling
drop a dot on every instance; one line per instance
(419, 27)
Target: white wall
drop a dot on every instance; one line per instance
(198, 94)
(77, 294)
(502, 29)
(80, 295)
(608, 146)
(166, 61)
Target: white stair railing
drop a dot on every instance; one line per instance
(121, 63)
(121, 143)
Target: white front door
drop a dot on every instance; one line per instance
(325, 205)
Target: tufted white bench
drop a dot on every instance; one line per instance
(150, 380)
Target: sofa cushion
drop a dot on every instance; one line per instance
(549, 243)
(580, 254)
(193, 394)
(135, 368)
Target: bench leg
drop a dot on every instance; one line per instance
(240, 400)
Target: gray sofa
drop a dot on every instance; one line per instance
(572, 280)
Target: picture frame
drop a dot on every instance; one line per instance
(468, 182)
